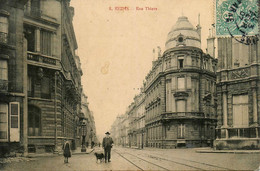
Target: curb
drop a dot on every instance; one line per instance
(55, 154)
(233, 152)
(42, 155)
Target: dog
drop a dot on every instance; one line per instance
(99, 156)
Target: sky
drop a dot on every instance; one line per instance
(116, 47)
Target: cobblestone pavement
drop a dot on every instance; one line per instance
(147, 159)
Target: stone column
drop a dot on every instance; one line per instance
(225, 109)
(37, 40)
(25, 101)
(255, 118)
(225, 125)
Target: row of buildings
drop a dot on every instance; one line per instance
(41, 96)
(192, 99)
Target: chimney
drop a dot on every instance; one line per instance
(198, 26)
(72, 12)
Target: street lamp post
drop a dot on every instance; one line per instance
(83, 126)
(91, 136)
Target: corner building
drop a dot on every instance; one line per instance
(180, 103)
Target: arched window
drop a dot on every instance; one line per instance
(34, 121)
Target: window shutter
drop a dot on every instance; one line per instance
(14, 122)
(3, 122)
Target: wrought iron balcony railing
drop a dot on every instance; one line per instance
(183, 114)
(33, 11)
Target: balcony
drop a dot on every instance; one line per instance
(3, 85)
(237, 73)
(33, 11)
(187, 115)
(32, 56)
(3, 37)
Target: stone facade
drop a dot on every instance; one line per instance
(238, 95)
(42, 87)
(180, 92)
(178, 96)
(12, 77)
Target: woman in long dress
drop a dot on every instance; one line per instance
(66, 151)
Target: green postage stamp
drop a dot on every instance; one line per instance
(236, 17)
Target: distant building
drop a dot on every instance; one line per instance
(88, 119)
(140, 120)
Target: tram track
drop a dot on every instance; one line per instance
(206, 164)
(136, 165)
(159, 158)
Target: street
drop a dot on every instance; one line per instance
(146, 159)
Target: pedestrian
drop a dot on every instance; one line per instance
(107, 144)
(92, 144)
(66, 151)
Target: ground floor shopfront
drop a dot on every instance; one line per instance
(181, 133)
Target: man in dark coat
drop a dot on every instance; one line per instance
(107, 145)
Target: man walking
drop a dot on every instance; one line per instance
(107, 145)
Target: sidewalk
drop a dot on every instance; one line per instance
(78, 151)
(228, 151)
(74, 152)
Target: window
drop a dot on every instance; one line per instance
(181, 131)
(3, 70)
(181, 83)
(240, 110)
(181, 106)
(45, 88)
(34, 121)
(14, 116)
(14, 122)
(3, 122)
(46, 42)
(180, 39)
(29, 85)
(180, 62)
(3, 29)
(30, 37)
(35, 7)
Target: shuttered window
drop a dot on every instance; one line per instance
(3, 70)
(3, 122)
(46, 42)
(181, 106)
(181, 83)
(14, 122)
(240, 111)
(3, 29)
